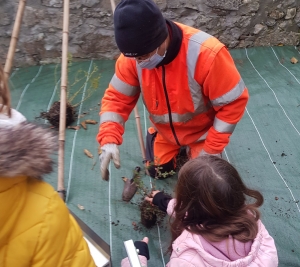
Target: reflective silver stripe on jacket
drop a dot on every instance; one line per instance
(163, 119)
(175, 117)
(230, 96)
(193, 53)
(223, 127)
(203, 137)
(139, 72)
(123, 87)
(111, 116)
(194, 47)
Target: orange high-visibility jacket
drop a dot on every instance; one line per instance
(199, 95)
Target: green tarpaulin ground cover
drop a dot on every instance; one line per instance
(265, 148)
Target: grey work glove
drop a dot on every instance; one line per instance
(108, 152)
(205, 153)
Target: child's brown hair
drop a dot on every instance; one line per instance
(213, 201)
(4, 93)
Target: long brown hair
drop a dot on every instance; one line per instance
(213, 201)
(4, 93)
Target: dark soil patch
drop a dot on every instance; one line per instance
(150, 214)
(136, 227)
(53, 114)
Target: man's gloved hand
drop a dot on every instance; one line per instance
(108, 152)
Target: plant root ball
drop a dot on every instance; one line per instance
(148, 214)
(54, 113)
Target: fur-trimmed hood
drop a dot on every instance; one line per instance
(26, 149)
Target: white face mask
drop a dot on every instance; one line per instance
(153, 61)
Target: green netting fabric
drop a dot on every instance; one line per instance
(264, 148)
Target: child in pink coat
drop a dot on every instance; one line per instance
(215, 219)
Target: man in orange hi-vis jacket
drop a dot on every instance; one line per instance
(188, 81)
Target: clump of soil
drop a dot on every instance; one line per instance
(54, 112)
(150, 214)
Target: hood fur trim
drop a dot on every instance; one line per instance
(26, 149)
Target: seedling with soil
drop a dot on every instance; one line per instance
(150, 214)
(82, 77)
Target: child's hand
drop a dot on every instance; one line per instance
(146, 240)
(153, 193)
(159, 199)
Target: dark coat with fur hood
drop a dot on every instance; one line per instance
(36, 228)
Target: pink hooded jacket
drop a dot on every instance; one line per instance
(188, 251)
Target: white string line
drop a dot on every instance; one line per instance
(226, 155)
(10, 78)
(25, 89)
(297, 49)
(109, 210)
(159, 241)
(151, 186)
(272, 160)
(13, 74)
(273, 93)
(52, 97)
(75, 134)
(284, 66)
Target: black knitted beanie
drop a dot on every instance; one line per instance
(139, 27)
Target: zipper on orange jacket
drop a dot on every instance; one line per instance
(168, 105)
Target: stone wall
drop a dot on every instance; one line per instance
(237, 23)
